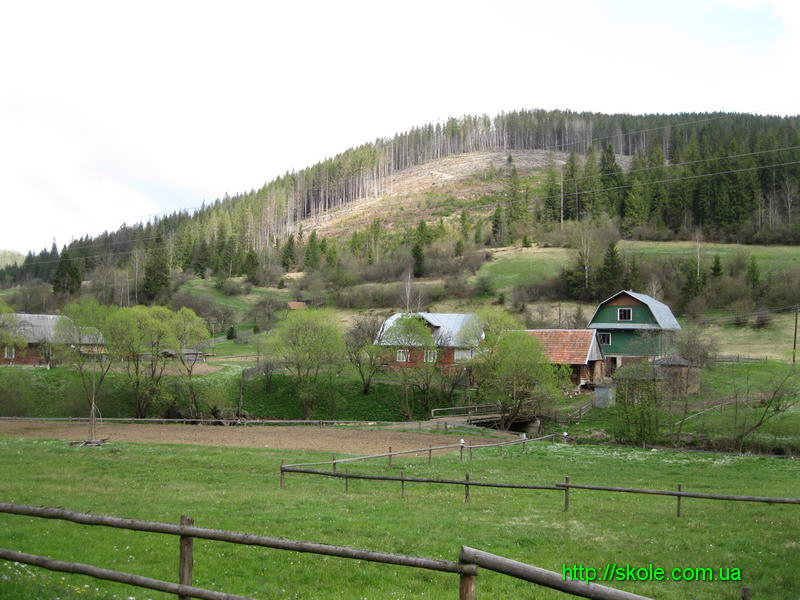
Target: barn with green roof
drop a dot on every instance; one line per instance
(632, 326)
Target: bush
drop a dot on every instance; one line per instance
(483, 286)
(231, 333)
(230, 287)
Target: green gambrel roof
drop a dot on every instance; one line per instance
(660, 311)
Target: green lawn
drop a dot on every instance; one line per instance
(522, 266)
(240, 304)
(236, 489)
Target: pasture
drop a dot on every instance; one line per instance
(237, 489)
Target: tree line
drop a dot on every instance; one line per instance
(667, 188)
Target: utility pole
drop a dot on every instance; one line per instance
(562, 198)
(794, 345)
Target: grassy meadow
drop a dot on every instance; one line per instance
(237, 489)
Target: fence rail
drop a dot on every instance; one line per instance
(466, 568)
(681, 494)
(550, 579)
(189, 420)
(183, 591)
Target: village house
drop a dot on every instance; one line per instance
(42, 334)
(632, 327)
(455, 340)
(576, 348)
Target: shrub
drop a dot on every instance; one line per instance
(483, 286)
(231, 333)
(230, 287)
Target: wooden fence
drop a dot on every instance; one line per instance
(466, 568)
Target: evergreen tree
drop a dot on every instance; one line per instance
(611, 180)
(592, 205)
(551, 209)
(67, 277)
(331, 256)
(156, 271)
(287, 254)
(418, 254)
(610, 277)
(754, 276)
(479, 233)
(464, 223)
(499, 229)
(202, 260)
(313, 257)
(251, 266)
(716, 267)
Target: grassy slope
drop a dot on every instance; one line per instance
(236, 489)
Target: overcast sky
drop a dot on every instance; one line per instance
(111, 111)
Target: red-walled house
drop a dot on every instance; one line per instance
(455, 337)
(577, 348)
(40, 333)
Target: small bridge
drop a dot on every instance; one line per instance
(486, 415)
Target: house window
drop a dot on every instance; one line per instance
(431, 355)
(9, 353)
(604, 339)
(462, 354)
(624, 314)
(402, 356)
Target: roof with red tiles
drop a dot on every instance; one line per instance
(568, 346)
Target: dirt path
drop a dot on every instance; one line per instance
(329, 439)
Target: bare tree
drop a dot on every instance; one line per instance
(364, 350)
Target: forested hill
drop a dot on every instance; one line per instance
(733, 175)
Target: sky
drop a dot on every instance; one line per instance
(111, 112)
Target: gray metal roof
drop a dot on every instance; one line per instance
(44, 329)
(661, 312)
(449, 328)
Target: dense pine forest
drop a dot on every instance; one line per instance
(734, 177)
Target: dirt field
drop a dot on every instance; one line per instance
(329, 439)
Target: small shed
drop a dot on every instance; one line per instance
(680, 376)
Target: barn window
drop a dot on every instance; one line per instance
(604, 339)
(8, 353)
(402, 356)
(624, 314)
(431, 355)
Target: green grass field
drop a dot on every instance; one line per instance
(240, 304)
(237, 489)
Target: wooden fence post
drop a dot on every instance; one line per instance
(402, 486)
(186, 560)
(283, 483)
(430, 453)
(470, 452)
(466, 487)
(466, 587)
(390, 456)
(566, 495)
(346, 479)
(747, 594)
(680, 487)
(333, 463)
(461, 453)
